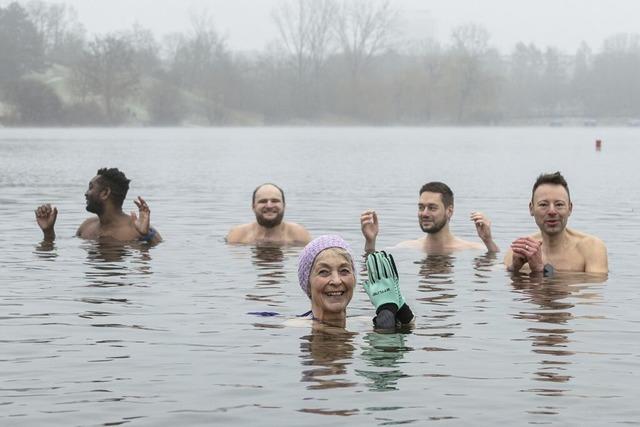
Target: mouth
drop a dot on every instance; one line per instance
(552, 223)
(334, 294)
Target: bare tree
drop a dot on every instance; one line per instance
(108, 71)
(58, 26)
(305, 30)
(365, 28)
(470, 48)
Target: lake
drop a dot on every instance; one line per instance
(99, 334)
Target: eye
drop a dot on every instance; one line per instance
(345, 271)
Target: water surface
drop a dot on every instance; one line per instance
(101, 334)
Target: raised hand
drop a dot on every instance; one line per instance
(369, 225)
(483, 225)
(530, 250)
(142, 220)
(46, 217)
(483, 228)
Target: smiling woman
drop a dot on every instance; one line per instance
(326, 272)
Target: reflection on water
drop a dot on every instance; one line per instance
(554, 300)
(327, 352)
(383, 353)
(111, 263)
(436, 282)
(483, 266)
(268, 261)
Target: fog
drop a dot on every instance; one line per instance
(248, 24)
(347, 62)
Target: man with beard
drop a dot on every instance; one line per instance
(555, 247)
(268, 205)
(435, 209)
(105, 195)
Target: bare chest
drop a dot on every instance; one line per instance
(96, 231)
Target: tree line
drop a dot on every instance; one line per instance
(333, 62)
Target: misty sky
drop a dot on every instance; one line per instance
(247, 24)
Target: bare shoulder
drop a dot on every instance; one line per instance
(413, 244)
(588, 242)
(297, 233)
(239, 233)
(87, 225)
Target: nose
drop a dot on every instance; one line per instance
(552, 211)
(335, 278)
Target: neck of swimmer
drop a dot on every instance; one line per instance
(554, 241)
(270, 232)
(111, 215)
(440, 240)
(333, 319)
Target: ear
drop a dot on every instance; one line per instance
(531, 208)
(570, 208)
(105, 193)
(449, 211)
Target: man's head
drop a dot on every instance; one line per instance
(268, 205)
(435, 207)
(108, 186)
(550, 204)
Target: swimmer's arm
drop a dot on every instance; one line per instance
(483, 228)
(513, 265)
(370, 229)
(46, 216)
(491, 246)
(596, 258)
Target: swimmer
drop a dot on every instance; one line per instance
(105, 195)
(555, 246)
(268, 206)
(435, 209)
(327, 275)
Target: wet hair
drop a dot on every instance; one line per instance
(555, 178)
(439, 187)
(253, 198)
(117, 182)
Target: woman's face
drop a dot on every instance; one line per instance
(331, 281)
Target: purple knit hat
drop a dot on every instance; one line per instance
(311, 251)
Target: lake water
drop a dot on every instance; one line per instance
(95, 334)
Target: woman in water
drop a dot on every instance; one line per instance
(327, 275)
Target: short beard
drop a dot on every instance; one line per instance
(435, 228)
(270, 223)
(95, 207)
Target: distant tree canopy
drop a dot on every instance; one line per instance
(332, 62)
(21, 48)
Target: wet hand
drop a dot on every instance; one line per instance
(46, 217)
(483, 225)
(529, 249)
(142, 220)
(369, 225)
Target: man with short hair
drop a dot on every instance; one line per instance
(555, 246)
(268, 206)
(435, 209)
(105, 195)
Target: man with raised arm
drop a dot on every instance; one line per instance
(268, 206)
(435, 209)
(105, 195)
(555, 246)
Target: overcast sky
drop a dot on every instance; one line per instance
(247, 24)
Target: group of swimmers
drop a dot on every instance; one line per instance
(326, 270)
